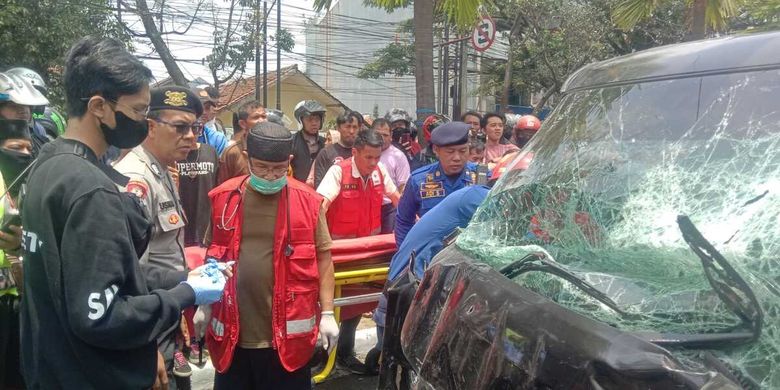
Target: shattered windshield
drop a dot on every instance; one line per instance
(612, 170)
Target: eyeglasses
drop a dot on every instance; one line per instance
(183, 129)
(141, 113)
(264, 171)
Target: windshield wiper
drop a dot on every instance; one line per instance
(537, 261)
(724, 279)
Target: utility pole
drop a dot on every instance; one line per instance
(265, 54)
(456, 83)
(278, 56)
(464, 72)
(445, 88)
(257, 50)
(441, 70)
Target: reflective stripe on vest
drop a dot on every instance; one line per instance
(300, 319)
(301, 326)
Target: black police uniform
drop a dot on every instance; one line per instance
(89, 319)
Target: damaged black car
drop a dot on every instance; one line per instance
(640, 248)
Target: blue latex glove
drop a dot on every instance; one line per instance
(209, 284)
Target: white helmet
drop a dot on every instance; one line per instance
(30, 75)
(20, 91)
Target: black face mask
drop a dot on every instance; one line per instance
(127, 134)
(398, 133)
(12, 163)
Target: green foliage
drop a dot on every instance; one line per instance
(38, 33)
(628, 13)
(395, 59)
(234, 43)
(285, 40)
(758, 15)
(461, 13)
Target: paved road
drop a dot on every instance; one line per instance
(365, 339)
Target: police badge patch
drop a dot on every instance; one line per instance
(175, 98)
(138, 188)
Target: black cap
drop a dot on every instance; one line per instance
(451, 133)
(176, 98)
(14, 129)
(268, 141)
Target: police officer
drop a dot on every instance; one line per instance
(173, 112)
(431, 183)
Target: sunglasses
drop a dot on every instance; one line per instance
(196, 128)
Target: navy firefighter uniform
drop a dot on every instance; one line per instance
(429, 185)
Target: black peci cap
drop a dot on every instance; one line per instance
(268, 141)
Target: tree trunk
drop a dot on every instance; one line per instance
(547, 95)
(507, 77)
(699, 26)
(423, 52)
(508, 69)
(162, 49)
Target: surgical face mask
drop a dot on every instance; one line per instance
(127, 133)
(266, 187)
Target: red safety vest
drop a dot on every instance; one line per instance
(295, 306)
(357, 211)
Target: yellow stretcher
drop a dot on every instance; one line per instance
(344, 278)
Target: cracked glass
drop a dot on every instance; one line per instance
(611, 171)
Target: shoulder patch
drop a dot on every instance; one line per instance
(137, 187)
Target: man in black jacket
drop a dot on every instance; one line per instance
(307, 142)
(91, 314)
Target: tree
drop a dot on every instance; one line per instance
(704, 14)
(461, 13)
(233, 42)
(38, 33)
(232, 49)
(548, 40)
(155, 36)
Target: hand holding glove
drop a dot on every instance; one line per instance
(329, 330)
(201, 320)
(209, 282)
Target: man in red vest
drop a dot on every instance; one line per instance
(353, 191)
(261, 335)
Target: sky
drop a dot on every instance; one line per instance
(192, 47)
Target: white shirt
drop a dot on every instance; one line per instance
(330, 187)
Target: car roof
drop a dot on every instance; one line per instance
(736, 53)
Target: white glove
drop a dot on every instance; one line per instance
(329, 330)
(201, 320)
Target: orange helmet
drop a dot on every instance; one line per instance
(528, 122)
(431, 122)
(505, 164)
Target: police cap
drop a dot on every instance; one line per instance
(175, 98)
(451, 133)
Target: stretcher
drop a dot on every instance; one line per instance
(361, 267)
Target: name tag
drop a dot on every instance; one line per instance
(432, 190)
(167, 205)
